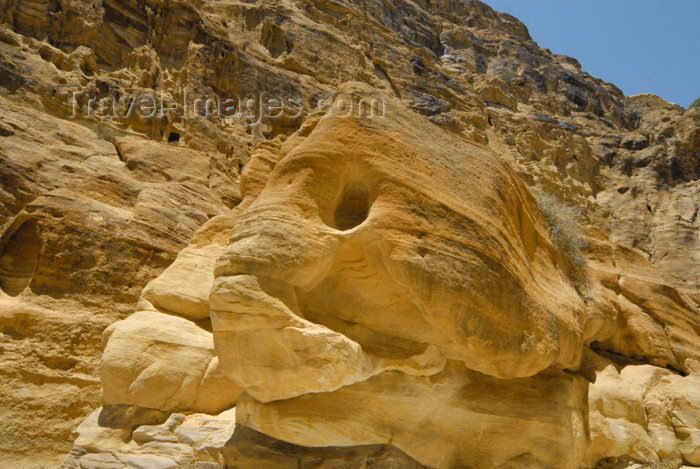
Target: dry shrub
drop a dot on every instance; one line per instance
(567, 235)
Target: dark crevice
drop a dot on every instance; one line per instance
(19, 255)
(381, 73)
(353, 207)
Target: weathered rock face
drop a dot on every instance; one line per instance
(367, 292)
(456, 418)
(645, 413)
(81, 233)
(343, 258)
(336, 273)
(326, 369)
(358, 310)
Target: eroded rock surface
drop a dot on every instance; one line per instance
(81, 233)
(357, 311)
(384, 290)
(375, 292)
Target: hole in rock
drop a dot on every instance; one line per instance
(18, 258)
(275, 40)
(174, 137)
(353, 207)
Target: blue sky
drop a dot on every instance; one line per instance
(641, 46)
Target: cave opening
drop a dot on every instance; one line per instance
(18, 258)
(353, 207)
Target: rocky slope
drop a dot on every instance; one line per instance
(366, 291)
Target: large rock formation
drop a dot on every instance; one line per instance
(365, 290)
(81, 235)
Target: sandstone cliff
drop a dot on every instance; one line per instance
(502, 270)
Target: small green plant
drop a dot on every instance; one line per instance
(567, 236)
(510, 140)
(507, 76)
(695, 105)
